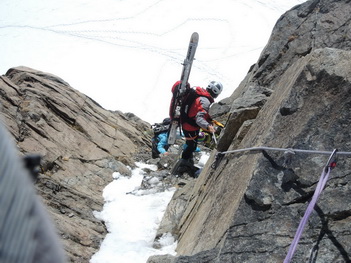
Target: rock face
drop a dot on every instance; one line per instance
(247, 208)
(298, 95)
(81, 145)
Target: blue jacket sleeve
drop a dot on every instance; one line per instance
(162, 142)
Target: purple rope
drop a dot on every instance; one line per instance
(320, 186)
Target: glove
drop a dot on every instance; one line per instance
(211, 129)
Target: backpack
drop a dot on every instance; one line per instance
(157, 129)
(188, 99)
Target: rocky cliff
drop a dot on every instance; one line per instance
(297, 95)
(248, 207)
(81, 145)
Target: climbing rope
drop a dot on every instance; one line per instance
(331, 163)
(219, 156)
(320, 186)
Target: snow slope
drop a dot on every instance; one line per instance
(127, 54)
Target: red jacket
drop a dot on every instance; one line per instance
(198, 111)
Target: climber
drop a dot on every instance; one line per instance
(201, 138)
(28, 233)
(159, 140)
(195, 115)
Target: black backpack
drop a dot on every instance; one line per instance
(157, 129)
(187, 101)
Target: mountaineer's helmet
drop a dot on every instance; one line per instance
(214, 88)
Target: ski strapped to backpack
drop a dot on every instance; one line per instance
(182, 88)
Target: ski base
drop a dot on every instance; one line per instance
(178, 95)
(172, 135)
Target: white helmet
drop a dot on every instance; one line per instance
(214, 88)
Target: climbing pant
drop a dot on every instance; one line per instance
(191, 142)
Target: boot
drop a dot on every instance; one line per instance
(183, 166)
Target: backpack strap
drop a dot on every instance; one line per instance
(159, 128)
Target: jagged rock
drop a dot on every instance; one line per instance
(81, 145)
(176, 208)
(219, 109)
(257, 199)
(236, 120)
(249, 207)
(297, 95)
(312, 25)
(254, 96)
(161, 259)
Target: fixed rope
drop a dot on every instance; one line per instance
(320, 186)
(331, 163)
(219, 156)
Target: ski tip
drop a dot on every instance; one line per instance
(195, 37)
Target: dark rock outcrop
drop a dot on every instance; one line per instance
(296, 96)
(81, 145)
